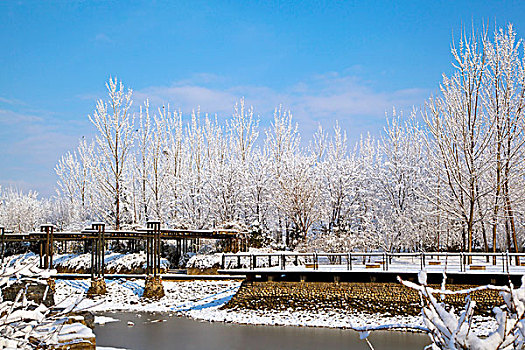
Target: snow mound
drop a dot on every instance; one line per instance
(205, 261)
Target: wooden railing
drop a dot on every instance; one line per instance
(460, 262)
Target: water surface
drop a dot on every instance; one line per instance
(185, 334)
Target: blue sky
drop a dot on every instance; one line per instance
(351, 61)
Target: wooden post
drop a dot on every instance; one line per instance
(41, 253)
(48, 247)
(179, 250)
(102, 242)
(154, 232)
(97, 236)
(159, 245)
(98, 250)
(2, 232)
(46, 250)
(159, 251)
(148, 264)
(52, 245)
(92, 259)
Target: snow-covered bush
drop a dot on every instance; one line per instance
(450, 330)
(203, 262)
(258, 237)
(113, 263)
(183, 261)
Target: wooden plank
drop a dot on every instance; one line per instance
(372, 266)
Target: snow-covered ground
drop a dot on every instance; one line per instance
(202, 300)
(125, 295)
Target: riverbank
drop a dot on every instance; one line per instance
(205, 300)
(126, 295)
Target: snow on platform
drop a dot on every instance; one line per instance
(166, 277)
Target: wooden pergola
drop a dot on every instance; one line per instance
(96, 237)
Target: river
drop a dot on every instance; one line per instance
(186, 334)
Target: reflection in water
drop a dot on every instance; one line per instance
(185, 334)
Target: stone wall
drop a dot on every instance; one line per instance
(392, 298)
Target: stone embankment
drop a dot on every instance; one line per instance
(385, 298)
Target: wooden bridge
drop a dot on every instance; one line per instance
(96, 237)
(470, 268)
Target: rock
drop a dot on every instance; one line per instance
(87, 318)
(98, 287)
(86, 343)
(36, 290)
(74, 332)
(153, 289)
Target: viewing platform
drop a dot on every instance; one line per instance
(460, 268)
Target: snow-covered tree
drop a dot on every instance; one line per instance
(22, 212)
(461, 134)
(114, 124)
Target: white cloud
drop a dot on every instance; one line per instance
(10, 117)
(188, 97)
(10, 101)
(103, 38)
(323, 97)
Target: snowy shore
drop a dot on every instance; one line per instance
(202, 300)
